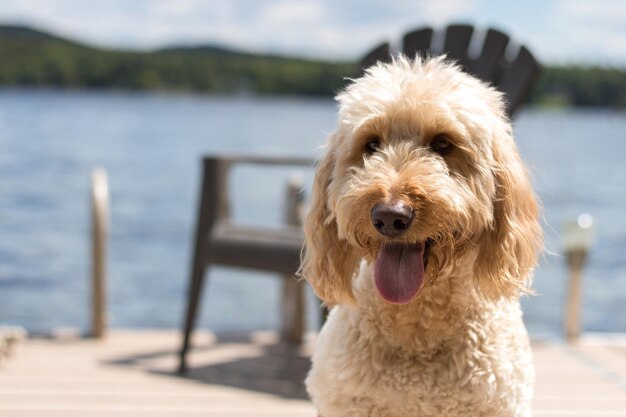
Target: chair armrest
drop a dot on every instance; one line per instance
(217, 169)
(230, 159)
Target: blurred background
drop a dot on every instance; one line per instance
(145, 88)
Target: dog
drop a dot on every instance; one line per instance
(422, 235)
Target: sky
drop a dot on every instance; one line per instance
(557, 31)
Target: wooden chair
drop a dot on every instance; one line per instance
(217, 241)
(220, 242)
(513, 75)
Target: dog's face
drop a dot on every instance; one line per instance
(421, 172)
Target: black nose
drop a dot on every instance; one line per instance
(391, 219)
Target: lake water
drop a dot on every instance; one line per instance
(151, 146)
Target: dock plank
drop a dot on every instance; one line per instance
(131, 374)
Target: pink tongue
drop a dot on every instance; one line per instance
(399, 272)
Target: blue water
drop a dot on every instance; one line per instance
(151, 144)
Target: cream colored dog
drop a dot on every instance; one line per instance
(423, 232)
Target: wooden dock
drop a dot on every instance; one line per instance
(131, 374)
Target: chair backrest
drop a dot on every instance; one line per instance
(513, 75)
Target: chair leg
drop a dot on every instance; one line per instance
(293, 317)
(324, 311)
(210, 190)
(195, 291)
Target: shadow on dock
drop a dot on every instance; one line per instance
(240, 361)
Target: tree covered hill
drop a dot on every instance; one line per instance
(32, 58)
(29, 57)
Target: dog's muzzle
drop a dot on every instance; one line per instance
(399, 266)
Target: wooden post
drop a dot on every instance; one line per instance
(576, 261)
(577, 239)
(293, 302)
(99, 232)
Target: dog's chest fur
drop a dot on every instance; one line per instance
(441, 357)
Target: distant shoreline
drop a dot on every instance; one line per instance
(5, 89)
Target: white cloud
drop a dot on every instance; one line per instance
(555, 29)
(599, 11)
(442, 12)
(293, 13)
(597, 29)
(176, 8)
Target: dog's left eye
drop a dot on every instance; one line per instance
(441, 144)
(373, 144)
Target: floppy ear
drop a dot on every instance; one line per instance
(327, 263)
(508, 250)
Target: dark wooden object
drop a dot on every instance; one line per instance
(514, 75)
(219, 242)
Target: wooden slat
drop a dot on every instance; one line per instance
(513, 79)
(273, 250)
(518, 77)
(489, 63)
(456, 44)
(417, 42)
(380, 53)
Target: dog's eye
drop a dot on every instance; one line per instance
(372, 145)
(441, 144)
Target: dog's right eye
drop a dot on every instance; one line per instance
(441, 144)
(372, 145)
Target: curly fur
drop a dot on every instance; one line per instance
(459, 347)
